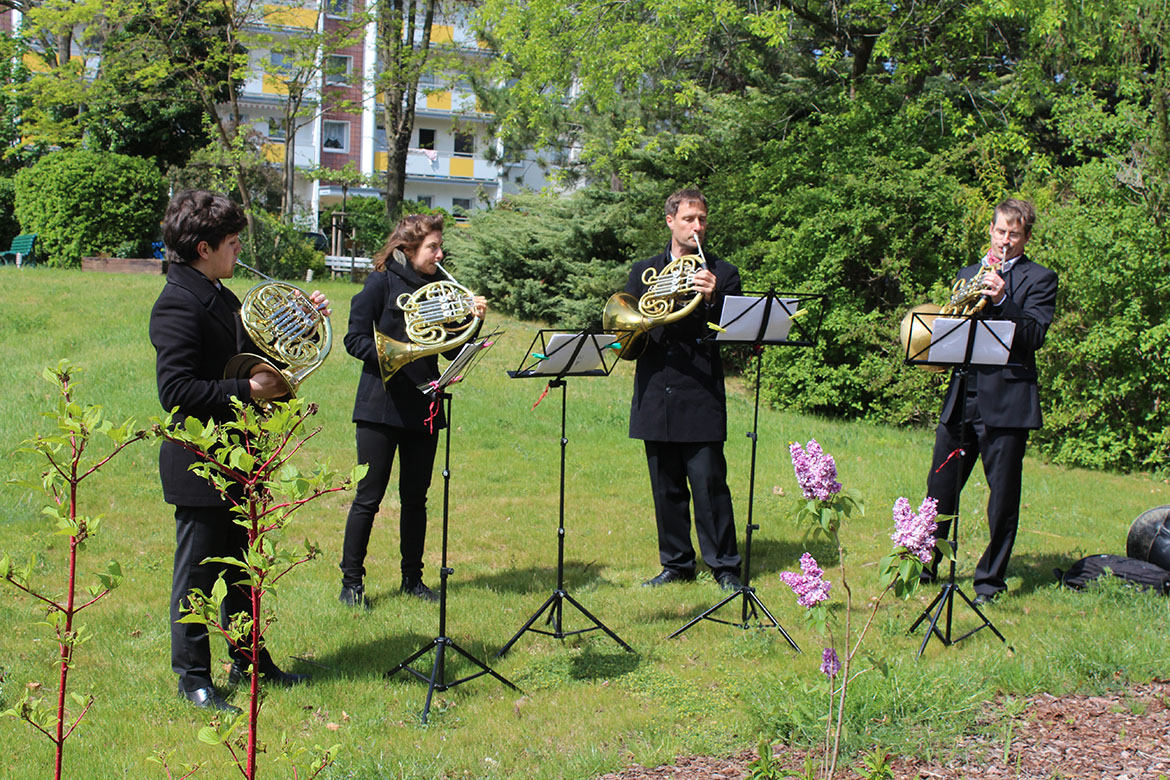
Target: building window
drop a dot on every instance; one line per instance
(426, 200)
(338, 7)
(280, 63)
(461, 208)
(464, 144)
(426, 138)
(338, 68)
(277, 129)
(335, 136)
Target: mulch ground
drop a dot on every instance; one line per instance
(1119, 736)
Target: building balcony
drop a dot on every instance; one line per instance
(445, 166)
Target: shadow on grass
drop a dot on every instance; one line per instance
(590, 664)
(1035, 569)
(373, 660)
(772, 556)
(539, 579)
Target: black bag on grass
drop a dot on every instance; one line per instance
(1137, 573)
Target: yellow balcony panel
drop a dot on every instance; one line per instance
(442, 33)
(439, 101)
(463, 166)
(288, 16)
(380, 161)
(273, 85)
(272, 152)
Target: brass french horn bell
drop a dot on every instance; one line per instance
(287, 327)
(967, 299)
(439, 316)
(656, 307)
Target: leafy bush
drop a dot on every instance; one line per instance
(84, 203)
(548, 258)
(367, 215)
(280, 250)
(9, 227)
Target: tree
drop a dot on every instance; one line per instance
(404, 46)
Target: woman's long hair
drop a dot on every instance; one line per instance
(407, 237)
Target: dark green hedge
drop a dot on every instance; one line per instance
(82, 203)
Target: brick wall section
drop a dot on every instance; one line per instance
(352, 93)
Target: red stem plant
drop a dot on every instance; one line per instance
(68, 465)
(249, 460)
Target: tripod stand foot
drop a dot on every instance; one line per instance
(945, 600)
(554, 605)
(437, 680)
(750, 603)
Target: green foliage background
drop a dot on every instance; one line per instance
(82, 203)
(856, 150)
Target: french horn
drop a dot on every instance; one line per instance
(290, 330)
(967, 299)
(439, 316)
(656, 307)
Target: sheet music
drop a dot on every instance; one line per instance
(462, 362)
(948, 341)
(560, 348)
(742, 315)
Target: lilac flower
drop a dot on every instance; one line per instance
(830, 663)
(815, 471)
(809, 587)
(915, 532)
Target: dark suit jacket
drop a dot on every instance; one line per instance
(678, 379)
(195, 329)
(400, 404)
(1009, 396)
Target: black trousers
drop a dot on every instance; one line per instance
(200, 533)
(376, 445)
(672, 466)
(1002, 450)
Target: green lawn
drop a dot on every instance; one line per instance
(587, 707)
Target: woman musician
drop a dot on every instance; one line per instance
(394, 415)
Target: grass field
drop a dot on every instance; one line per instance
(587, 706)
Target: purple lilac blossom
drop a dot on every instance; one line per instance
(913, 531)
(830, 663)
(809, 587)
(816, 471)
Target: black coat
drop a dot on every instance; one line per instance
(678, 379)
(400, 403)
(1009, 396)
(195, 329)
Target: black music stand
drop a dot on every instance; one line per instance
(437, 679)
(760, 319)
(958, 341)
(561, 354)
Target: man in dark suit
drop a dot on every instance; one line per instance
(1002, 403)
(679, 409)
(195, 329)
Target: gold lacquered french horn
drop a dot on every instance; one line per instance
(967, 299)
(287, 327)
(439, 316)
(656, 307)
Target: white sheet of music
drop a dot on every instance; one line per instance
(948, 341)
(560, 348)
(743, 314)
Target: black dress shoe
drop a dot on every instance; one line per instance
(414, 586)
(209, 698)
(667, 576)
(728, 580)
(985, 599)
(272, 674)
(353, 596)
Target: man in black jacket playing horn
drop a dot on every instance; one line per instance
(1002, 403)
(679, 410)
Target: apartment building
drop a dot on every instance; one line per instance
(448, 164)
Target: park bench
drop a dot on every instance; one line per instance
(21, 251)
(341, 265)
